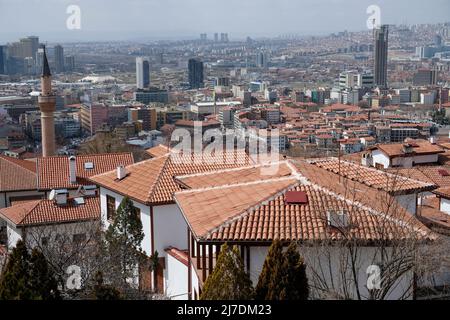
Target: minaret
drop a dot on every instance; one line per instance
(47, 103)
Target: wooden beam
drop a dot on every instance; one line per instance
(210, 259)
(204, 262)
(198, 255)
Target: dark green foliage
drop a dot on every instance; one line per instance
(228, 281)
(123, 240)
(43, 281)
(274, 258)
(283, 276)
(27, 277)
(294, 283)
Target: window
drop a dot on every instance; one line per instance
(78, 238)
(110, 208)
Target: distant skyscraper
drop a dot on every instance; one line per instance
(59, 59)
(261, 59)
(69, 63)
(381, 56)
(2, 60)
(39, 59)
(224, 37)
(142, 72)
(203, 37)
(195, 73)
(216, 37)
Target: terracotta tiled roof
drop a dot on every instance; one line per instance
(48, 212)
(159, 150)
(236, 175)
(396, 149)
(443, 192)
(207, 209)
(16, 174)
(153, 181)
(439, 175)
(53, 172)
(372, 177)
(258, 212)
(180, 255)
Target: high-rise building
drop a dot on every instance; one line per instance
(142, 72)
(69, 63)
(39, 59)
(47, 105)
(203, 37)
(381, 56)
(261, 59)
(216, 37)
(2, 60)
(195, 73)
(224, 37)
(425, 77)
(59, 59)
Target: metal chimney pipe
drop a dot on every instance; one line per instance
(72, 170)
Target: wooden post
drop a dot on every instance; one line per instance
(204, 262)
(210, 259)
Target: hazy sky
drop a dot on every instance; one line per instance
(169, 19)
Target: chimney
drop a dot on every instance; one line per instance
(121, 172)
(72, 169)
(407, 148)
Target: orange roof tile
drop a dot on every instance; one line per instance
(48, 212)
(380, 180)
(16, 174)
(159, 150)
(235, 175)
(53, 172)
(257, 211)
(419, 147)
(153, 181)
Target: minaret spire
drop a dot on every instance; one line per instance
(47, 105)
(46, 69)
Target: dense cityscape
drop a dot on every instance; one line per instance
(357, 124)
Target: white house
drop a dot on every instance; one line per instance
(302, 202)
(150, 185)
(406, 154)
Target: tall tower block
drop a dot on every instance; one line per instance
(47, 105)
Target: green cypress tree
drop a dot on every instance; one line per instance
(228, 281)
(27, 277)
(294, 283)
(123, 238)
(273, 260)
(42, 279)
(14, 282)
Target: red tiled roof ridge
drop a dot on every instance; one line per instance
(226, 186)
(253, 166)
(28, 206)
(151, 194)
(129, 166)
(17, 163)
(250, 209)
(388, 217)
(318, 160)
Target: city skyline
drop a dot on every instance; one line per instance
(158, 20)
